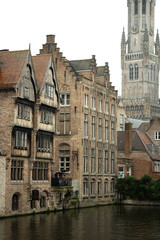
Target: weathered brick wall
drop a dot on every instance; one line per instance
(2, 184)
(7, 108)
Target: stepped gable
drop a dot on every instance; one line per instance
(40, 63)
(11, 67)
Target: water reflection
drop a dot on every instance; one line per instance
(110, 222)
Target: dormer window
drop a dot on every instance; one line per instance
(49, 91)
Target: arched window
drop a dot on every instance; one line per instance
(144, 7)
(136, 71)
(131, 72)
(136, 7)
(15, 202)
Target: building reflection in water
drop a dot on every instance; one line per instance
(110, 222)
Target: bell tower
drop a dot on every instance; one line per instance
(140, 58)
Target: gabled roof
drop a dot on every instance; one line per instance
(137, 144)
(81, 64)
(136, 123)
(40, 64)
(140, 143)
(11, 67)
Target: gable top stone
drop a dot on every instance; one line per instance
(12, 63)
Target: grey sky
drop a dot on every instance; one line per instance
(82, 27)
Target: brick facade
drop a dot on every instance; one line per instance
(58, 119)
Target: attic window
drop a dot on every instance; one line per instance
(157, 135)
(49, 91)
(26, 92)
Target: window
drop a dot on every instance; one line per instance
(106, 107)
(40, 171)
(99, 161)
(99, 188)
(106, 130)
(21, 140)
(131, 72)
(44, 143)
(16, 170)
(15, 199)
(136, 7)
(85, 188)
(92, 160)
(85, 125)
(113, 109)
(112, 132)
(93, 127)
(93, 103)
(121, 172)
(92, 188)
(105, 162)
(86, 100)
(65, 99)
(100, 106)
(100, 128)
(112, 186)
(128, 171)
(85, 159)
(46, 117)
(26, 93)
(64, 158)
(106, 187)
(136, 69)
(143, 6)
(64, 123)
(157, 135)
(112, 163)
(49, 91)
(121, 118)
(23, 111)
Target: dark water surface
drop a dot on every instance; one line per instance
(109, 223)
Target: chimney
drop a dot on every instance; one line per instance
(128, 138)
(50, 38)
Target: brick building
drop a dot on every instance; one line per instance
(138, 151)
(29, 100)
(85, 141)
(58, 127)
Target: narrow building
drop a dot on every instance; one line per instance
(85, 141)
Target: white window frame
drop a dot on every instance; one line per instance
(157, 136)
(65, 99)
(93, 103)
(86, 100)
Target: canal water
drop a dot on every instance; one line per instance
(100, 223)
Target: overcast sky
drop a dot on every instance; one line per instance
(82, 28)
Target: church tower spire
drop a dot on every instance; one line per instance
(140, 61)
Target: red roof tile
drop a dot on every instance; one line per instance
(40, 64)
(11, 67)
